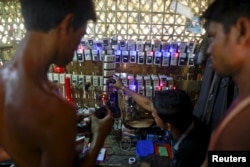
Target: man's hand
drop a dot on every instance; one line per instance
(100, 128)
(118, 84)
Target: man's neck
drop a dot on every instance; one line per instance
(35, 54)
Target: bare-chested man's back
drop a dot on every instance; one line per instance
(37, 125)
(31, 113)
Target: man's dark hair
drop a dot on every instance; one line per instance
(43, 15)
(227, 12)
(174, 106)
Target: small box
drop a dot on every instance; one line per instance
(101, 155)
(163, 150)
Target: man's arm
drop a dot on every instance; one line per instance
(142, 101)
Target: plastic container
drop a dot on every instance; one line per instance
(144, 148)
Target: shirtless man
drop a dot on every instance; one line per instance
(37, 125)
(229, 30)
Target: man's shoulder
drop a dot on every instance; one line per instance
(33, 106)
(233, 132)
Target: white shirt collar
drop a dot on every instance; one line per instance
(176, 146)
